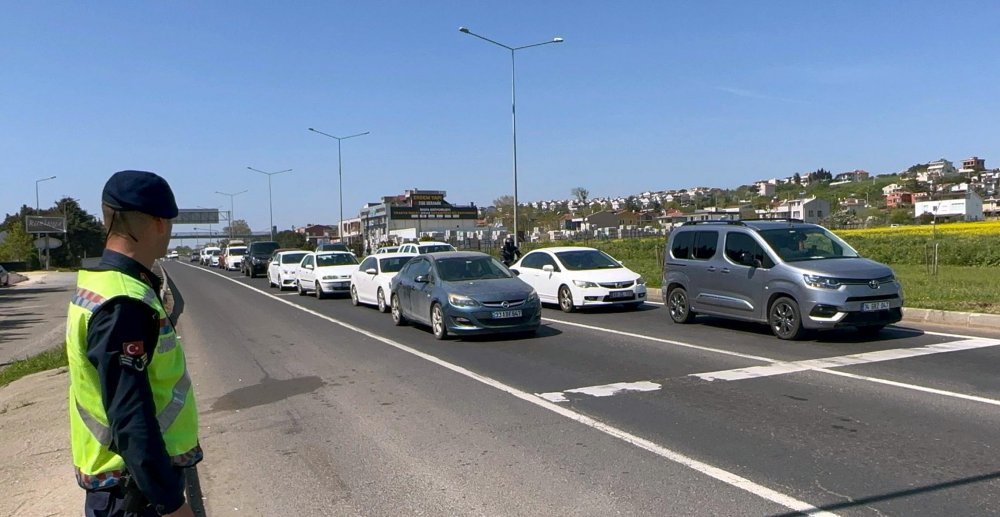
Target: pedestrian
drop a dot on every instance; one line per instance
(509, 252)
(133, 420)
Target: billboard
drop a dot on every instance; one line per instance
(434, 212)
(197, 216)
(43, 224)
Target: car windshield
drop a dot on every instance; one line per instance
(213, 252)
(581, 260)
(394, 264)
(292, 258)
(332, 247)
(434, 248)
(237, 251)
(335, 259)
(809, 243)
(471, 268)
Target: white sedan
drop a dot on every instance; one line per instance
(576, 277)
(325, 272)
(370, 283)
(281, 268)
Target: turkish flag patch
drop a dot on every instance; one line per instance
(133, 349)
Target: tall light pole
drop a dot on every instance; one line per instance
(270, 206)
(231, 209)
(513, 103)
(38, 209)
(340, 174)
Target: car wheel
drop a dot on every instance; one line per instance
(382, 307)
(319, 292)
(870, 330)
(298, 287)
(566, 299)
(354, 296)
(437, 322)
(397, 312)
(786, 323)
(678, 306)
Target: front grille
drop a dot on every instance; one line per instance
(873, 298)
(500, 304)
(506, 322)
(617, 285)
(862, 281)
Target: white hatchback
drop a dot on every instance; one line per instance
(370, 283)
(282, 266)
(325, 272)
(576, 277)
(419, 248)
(234, 257)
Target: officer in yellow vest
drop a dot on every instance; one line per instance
(133, 420)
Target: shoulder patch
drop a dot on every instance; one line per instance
(133, 349)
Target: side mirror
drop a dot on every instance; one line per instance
(422, 279)
(747, 259)
(548, 268)
(371, 271)
(516, 272)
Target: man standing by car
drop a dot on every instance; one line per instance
(133, 420)
(510, 252)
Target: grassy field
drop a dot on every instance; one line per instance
(44, 361)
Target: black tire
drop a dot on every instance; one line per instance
(397, 312)
(679, 306)
(319, 292)
(298, 287)
(566, 299)
(354, 296)
(382, 306)
(438, 325)
(785, 319)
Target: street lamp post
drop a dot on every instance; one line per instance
(513, 103)
(340, 174)
(270, 206)
(231, 209)
(37, 210)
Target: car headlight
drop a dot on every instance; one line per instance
(584, 283)
(640, 281)
(533, 297)
(458, 300)
(821, 282)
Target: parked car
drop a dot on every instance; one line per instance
(420, 248)
(325, 272)
(370, 282)
(281, 268)
(195, 255)
(387, 249)
(576, 277)
(463, 292)
(256, 258)
(789, 274)
(234, 257)
(4, 277)
(210, 256)
(333, 246)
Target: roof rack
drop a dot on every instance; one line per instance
(715, 221)
(776, 219)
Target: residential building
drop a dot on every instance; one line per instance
(967, 206)
(853, 205)
(318, 233)
(810, 210)
(612, 219)
(937, 170)
(898, 199)
(889, 189)
(766, 188)
(973, 165)
(851, 177)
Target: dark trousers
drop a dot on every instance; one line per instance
(111, 503)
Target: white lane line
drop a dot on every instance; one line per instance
(776, 364)
(844, 360)
(725, 476)
(605, 390)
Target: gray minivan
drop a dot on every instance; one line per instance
(786, 273)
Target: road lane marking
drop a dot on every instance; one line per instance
(844, 360)
(714, 472)
(605, 390)
(914, 387)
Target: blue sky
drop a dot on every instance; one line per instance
(641, 96)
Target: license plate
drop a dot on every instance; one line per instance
(499, 315)
(874, 306)
(620, 294)
(341, 284)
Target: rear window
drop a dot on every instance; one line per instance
(292, 258)
(394, 264)
(236, 252)
(263, 248)
(435, 248)
(705, 244)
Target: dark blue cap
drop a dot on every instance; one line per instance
(140, 191)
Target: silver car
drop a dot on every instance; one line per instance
(791, 275)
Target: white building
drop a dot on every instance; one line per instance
(810, 210)
(936, 170)
(766, 189)
(968, 207)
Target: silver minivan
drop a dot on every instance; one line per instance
(786, 273)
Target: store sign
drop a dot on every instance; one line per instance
(428, 212)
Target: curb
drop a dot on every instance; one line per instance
(912, 314)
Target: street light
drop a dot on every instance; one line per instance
(37, 210)
(513, 104)
(340, 173)
(270, 206)
(231, 209)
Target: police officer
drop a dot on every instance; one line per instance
(509, 252)
(133, 421)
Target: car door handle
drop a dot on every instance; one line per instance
(725, 270)
(711, 269)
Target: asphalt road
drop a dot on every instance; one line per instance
(27, 313)
(316, 407)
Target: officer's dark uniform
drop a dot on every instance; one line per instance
(126, 391)
(510, 252)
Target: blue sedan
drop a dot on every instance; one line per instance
(463, 292)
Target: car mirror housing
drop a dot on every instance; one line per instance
(548, 268)
(422, 279)
(371, 271)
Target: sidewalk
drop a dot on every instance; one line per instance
(33, 314)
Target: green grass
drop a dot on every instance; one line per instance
(954, 288)
(47, 360)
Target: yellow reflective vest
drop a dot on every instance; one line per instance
(96, 465)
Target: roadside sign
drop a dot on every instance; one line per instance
(197, 216)
(52, 243)
(44, 224)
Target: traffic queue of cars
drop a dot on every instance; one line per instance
(791, 275)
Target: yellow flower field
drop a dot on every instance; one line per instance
(976, 228)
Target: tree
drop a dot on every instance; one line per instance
(290, 239)
(17, 246)
(84, 235)
(239, 227)
(901, 216)
(505, 211)
(798, 179)
(581, 194)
